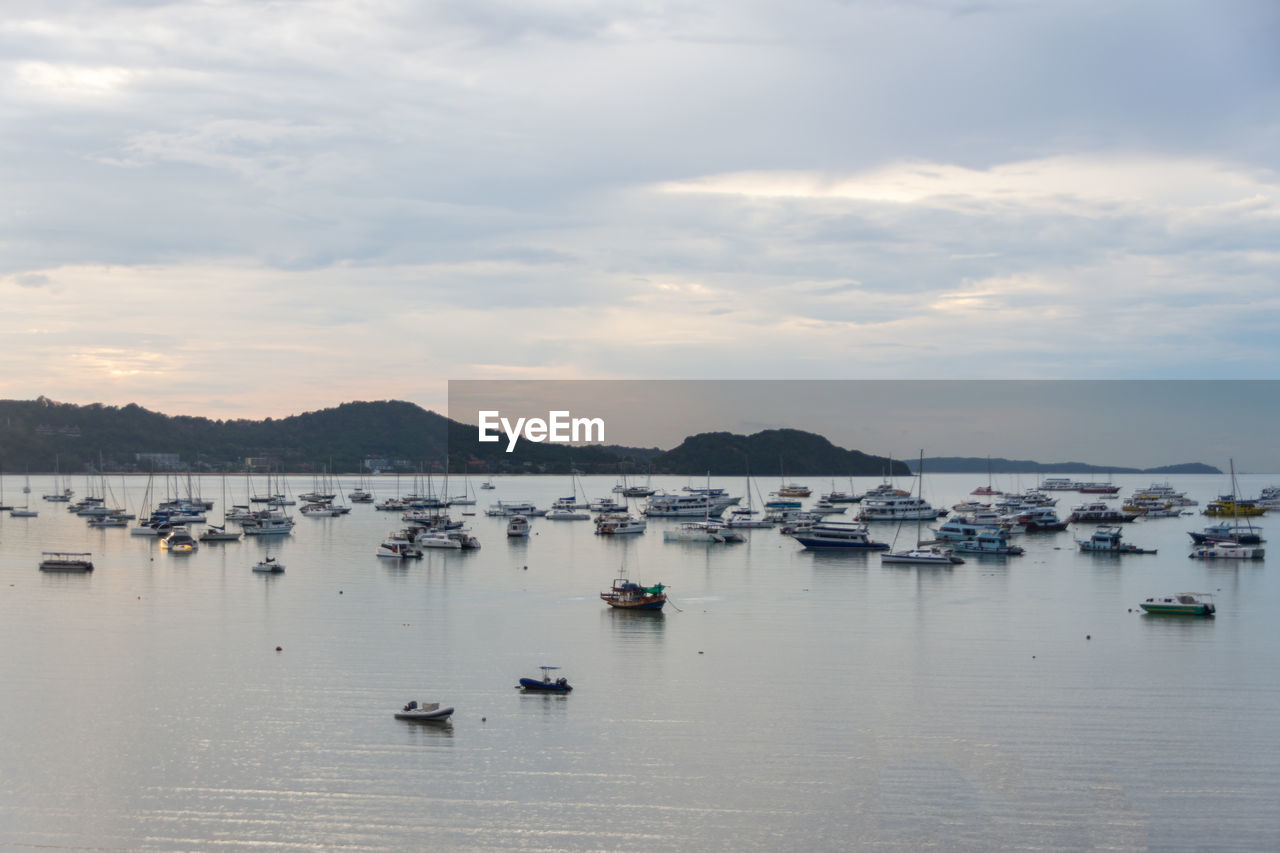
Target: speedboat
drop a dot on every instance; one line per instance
(424, 712)
(1181, 603)
(268, 565)
(629, 595)
(546, 684)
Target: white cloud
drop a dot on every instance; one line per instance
(370, 197)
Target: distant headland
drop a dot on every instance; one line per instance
(396, 436)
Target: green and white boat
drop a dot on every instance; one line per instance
(1181, 604)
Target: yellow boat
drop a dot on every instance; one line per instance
(1225, 506)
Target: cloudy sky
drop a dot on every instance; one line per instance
(241, 208)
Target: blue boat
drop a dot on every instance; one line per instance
(546, 684)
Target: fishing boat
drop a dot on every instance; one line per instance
(1181, 604)
(424, 712)
(65, 561)
(629, 595)
(1106, 540)
(838, 536)
(517, 526)
(546, 684)
(268, 565)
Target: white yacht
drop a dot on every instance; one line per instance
(268, 524)
(837, 536)
(619, 524)
(897, 508)
(397, 547)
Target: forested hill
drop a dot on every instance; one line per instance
(393, 435)
(777, 452)
(35, 433)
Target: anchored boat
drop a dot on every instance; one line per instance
(629, 595)
(546, 684)
(65, 561)
(424, 712)
(1182, 604)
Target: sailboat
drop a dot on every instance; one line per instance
(1231, 549)
(216, 533)
(24, 511)
(3, 505)
(744, 518)
(569, 508)
(56, 496)
(923, 554)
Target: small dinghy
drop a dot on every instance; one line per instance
(546, 684)
(424, 712)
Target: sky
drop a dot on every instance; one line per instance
(239, 208)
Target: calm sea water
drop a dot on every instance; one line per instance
(788, 700)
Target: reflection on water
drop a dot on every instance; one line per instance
(784, 699)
